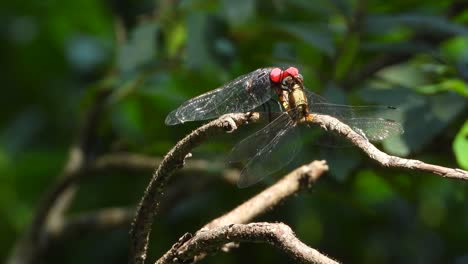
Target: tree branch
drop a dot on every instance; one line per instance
(297, 180)
(332, 124)
(267, 199)
(174, 160)
(278, 235)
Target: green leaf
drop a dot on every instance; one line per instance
(310, 227)
(176, 39)
(347, 55)
(418, 113)
(140, 48)
(426, 76)
(126, 118)
(198, 53)
(341, 161)
(455, 85)
(316, 37)
(455, 49)
(21, 131)
(372, 189)
(238, 12)
(343, 6)
(426, 23)
(460, 146)
(314, 8)
(407, 75)
(396, 47)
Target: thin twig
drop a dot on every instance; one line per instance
(278, 235)
(332, 124)
(174, 160)
(295, 181)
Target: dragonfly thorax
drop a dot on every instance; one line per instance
(299, 107)
(293, 98)
(297, 97)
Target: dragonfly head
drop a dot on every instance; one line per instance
(286, 79)
(277, 75)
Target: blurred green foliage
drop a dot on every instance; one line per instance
(57, 56)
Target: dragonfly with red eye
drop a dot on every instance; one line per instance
(238, 96)
(274, 146)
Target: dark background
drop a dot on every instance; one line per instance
(57, 57)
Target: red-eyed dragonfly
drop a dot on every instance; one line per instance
(267, 150)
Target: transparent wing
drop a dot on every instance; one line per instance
(240, 95)
(375, 129)
(370, 121)
(319, 105)
(266, 151)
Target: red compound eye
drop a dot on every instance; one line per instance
(276, 75)
(292, 71)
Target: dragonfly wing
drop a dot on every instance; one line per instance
(375, 129)
(266, 151)
(240, 95)
(373, 122)
(319, 105)
(314, 98)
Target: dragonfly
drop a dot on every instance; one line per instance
(275, 145)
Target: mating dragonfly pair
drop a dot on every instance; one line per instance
(267, 150)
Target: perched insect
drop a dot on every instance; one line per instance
(265, 151)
